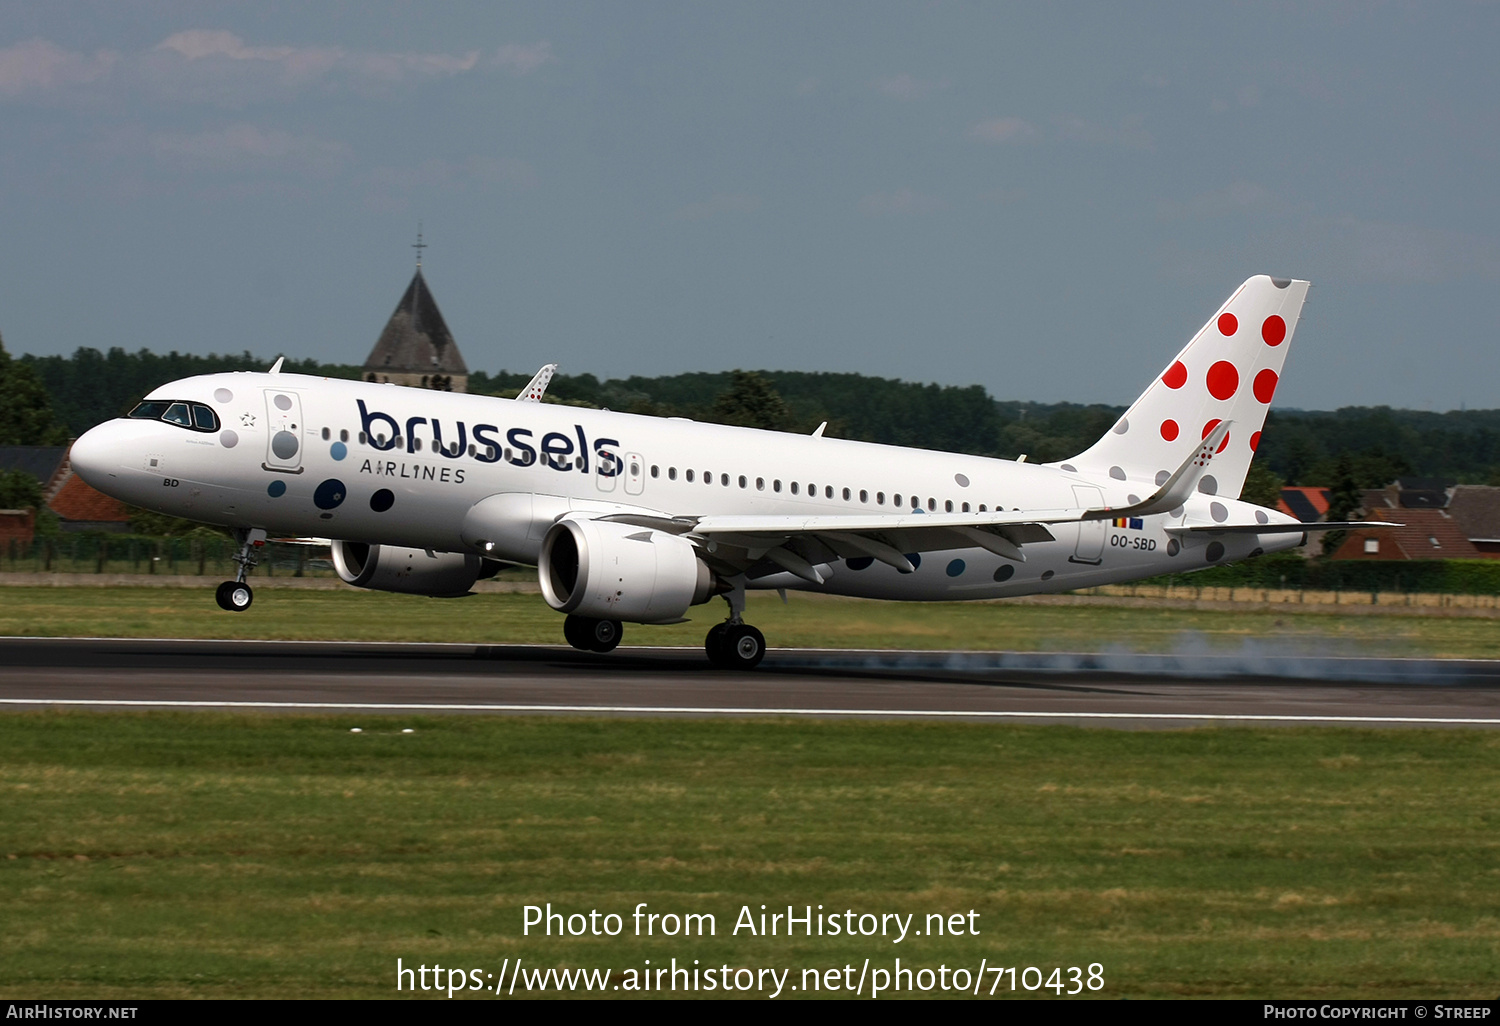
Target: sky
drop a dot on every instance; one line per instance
(1044, 199)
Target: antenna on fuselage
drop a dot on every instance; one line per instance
(276, 367)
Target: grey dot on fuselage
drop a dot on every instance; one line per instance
(283, 402)
(1261, 518)
(284, 445)
(228, 439)
(1161, 477)
(1123, 426)
(1218, 512)
(1117, 473)
(1209, 485)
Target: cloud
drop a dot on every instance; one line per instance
(247, 147)
(1002, 130)
(37, 66)
(717, 206)
(902, 201)
(907, 87)
(219, 67)
(523, 60)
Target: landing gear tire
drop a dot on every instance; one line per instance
(234, 596)
(735, 646)
(714, 643)
(592, 635)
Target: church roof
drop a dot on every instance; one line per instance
(415, 339)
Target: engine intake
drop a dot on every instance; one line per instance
(411, 571)
(613, 571)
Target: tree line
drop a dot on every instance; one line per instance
(44, 400)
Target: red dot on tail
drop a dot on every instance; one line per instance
(1273, 331)
(1176, 376)
(1265, 385)
(1209, 427)
(1169, 430)
(1255, 441)
(1223, 380)
(1228, 324)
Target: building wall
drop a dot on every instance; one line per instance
(440, 382)
(18, 525)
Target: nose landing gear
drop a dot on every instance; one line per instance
(236, 595)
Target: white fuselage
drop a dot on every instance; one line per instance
(358, 461)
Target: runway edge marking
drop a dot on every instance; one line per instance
(744, 711)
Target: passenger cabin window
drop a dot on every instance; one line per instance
(672, 474)
(794, 488)
(688, 475)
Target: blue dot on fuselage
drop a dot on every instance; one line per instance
(339, 450)
(329, 494)
(859, 563)
(955, 568)
(276, 489)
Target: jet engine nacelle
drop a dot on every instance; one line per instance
(412, 571)
(613, 571)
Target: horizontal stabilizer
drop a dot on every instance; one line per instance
(1326, 525)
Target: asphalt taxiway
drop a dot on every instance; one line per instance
(1115, 689)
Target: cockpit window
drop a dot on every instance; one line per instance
(194, 416)
(151, 409)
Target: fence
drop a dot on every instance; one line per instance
(1371, 576)
(209, 555)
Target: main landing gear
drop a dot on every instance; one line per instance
(734, 644)
(592, 635)
(236, 595)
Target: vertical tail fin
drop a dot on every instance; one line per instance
(1229, 371)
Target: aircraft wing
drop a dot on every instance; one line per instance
(765, 544)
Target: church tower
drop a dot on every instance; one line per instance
(416, 347)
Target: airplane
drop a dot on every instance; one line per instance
(635, 519)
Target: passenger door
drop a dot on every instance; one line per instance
(283, 431)
(635, 473)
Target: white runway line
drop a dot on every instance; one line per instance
(747, 711)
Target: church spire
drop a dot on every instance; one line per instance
(416, 347)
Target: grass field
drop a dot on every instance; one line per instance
(806, 621)
(170, 855)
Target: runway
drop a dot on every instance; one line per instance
(1112, 689)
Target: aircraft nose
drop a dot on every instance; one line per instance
(94, 456)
